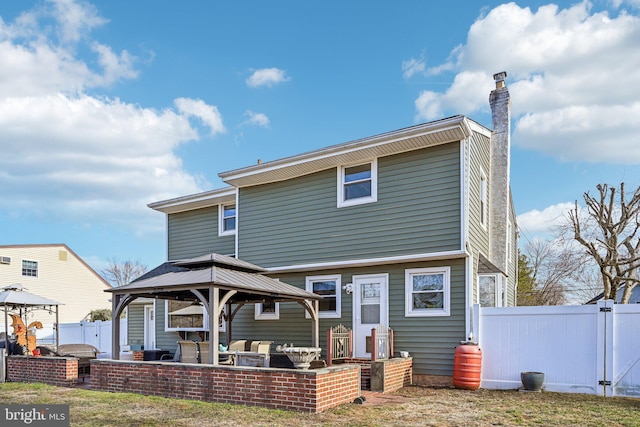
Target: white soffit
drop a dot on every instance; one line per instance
(413, 138)
(195, 201)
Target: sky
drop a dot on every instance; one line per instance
(109, 105)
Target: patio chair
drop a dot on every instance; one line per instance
(261, 346)
(203, 352)
(171, 358)
(188, 351)
(237, 345)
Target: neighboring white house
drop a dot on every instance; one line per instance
(54, 271)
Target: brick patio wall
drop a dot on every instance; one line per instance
(58, 371)
(390, 375)
(312, 390)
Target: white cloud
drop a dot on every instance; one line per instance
(537, 223)
(413, 66)
(267, 77)
(572, 73)
(80, 158)
(257, 119)
(209, 114)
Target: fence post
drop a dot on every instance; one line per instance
(374, 345)
(604, 347)
(329, 347)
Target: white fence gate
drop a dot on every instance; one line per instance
(592, 349)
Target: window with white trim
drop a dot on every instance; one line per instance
(491, 290)
(189, 316)
(329, 287)
(29, 268)
(358, 184)
(483, 200)
(185, 316)
(427, 291)
(227, 219)
(268, 310)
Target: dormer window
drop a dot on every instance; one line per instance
(358, 184)
(227, 222)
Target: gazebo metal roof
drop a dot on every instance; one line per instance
(214, 280)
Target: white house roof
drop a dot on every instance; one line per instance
(408, 139)
(195, 201)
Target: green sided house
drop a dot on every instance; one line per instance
(407, 229)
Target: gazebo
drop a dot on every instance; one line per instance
(16, 298)
(216, 281)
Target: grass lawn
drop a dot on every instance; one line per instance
(412, 406)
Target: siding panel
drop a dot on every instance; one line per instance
(195, 233)
(297, 221)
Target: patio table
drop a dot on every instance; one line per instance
(247, 358)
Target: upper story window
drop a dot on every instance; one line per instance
(329, 287)
(227, 223)
(427, 291)
(29, 268)
(358, 184)
(483, 200)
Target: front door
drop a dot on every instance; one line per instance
(149, 327)
(370, 309)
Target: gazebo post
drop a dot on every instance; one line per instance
(228, 322)
(58, 328)
(214, 332)
(115, 328)
(316, 324)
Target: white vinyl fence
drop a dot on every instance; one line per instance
(593, 349)
(96, 333)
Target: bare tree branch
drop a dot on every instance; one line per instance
(120, 273)
(613, 242)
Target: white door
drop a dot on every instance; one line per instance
(370, 309)
(149, 327)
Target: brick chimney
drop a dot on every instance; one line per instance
(499, 186)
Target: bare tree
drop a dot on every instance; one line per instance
(609, 232)
(551, 272)
(120, 273)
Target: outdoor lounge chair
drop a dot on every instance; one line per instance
(203, 352)
(188, 351)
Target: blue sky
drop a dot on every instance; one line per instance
(107, 106)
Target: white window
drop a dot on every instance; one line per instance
(483, 200)
(29, 268)
(189, 316)
(358, 184)
(227, 220)
(185, 316)
(267, 311)
(492, 292)
(329, 287)
(427, 291)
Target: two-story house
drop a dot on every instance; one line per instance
(55, 272)
(406, 229)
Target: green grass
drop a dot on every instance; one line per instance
(412, 406)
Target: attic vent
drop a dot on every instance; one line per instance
(5, 260)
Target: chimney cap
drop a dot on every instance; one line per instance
(499, 78)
